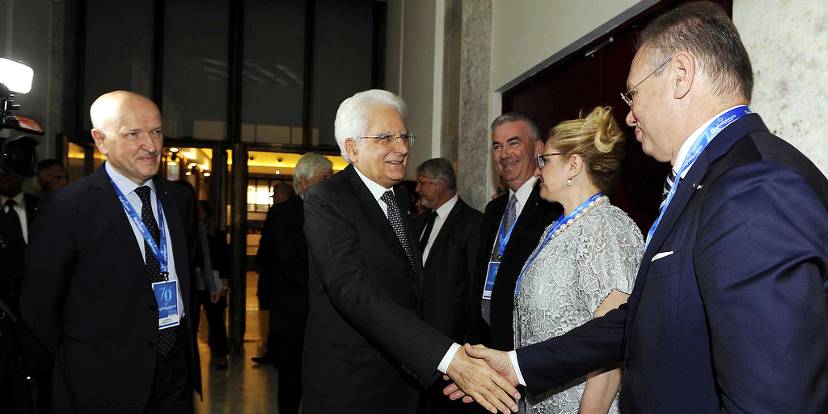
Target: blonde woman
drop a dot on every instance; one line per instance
(593, 248)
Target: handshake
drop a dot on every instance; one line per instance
(483, 375)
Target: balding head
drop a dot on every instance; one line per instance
(127, 129)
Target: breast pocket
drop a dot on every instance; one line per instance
(665, 264)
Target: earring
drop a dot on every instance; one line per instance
(569, 182)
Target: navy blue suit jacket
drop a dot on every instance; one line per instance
(733, 316)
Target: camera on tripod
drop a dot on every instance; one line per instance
(18, 156)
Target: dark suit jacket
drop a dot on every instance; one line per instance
(365, 344)
(736, 317)
(87, 297)
(533, 219)
(449, 270)
(285, 254)
(13, 256)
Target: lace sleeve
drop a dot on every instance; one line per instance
(609, 256)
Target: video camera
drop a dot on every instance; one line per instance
(18, 156)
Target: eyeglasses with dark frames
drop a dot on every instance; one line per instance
(542, 158)
(387, 139)
(629, 95)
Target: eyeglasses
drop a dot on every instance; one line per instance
(542, 158)
(629, 95)
(388, 139)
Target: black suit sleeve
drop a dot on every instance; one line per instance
(337, 260)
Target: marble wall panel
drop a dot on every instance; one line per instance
(474, 141)
(786, 40)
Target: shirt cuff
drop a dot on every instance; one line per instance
(516, 368)
(444, 363)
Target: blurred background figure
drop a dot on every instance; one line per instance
(593, 248)
(212, 281)
(264, 290)
(51, 175)
(285, 256)
(17, 213)
(447, 235)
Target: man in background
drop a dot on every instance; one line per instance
(512, 226)
(285, 254)
(51, 175)
(448, 236)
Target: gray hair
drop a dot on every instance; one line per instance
(705, 30)
(439, 169)
(352, 115)
(306, 167)
(506, 118)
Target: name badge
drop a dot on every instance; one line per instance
(166, 296)
(491, 274)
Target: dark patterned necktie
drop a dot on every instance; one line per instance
(166, 337)
(12, 223)
(398, 225)
(668, 184)
(509, 217)
(427, 232)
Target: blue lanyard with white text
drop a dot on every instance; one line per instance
(721, 122)
(160, 253)
(551, 231)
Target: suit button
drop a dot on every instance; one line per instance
(628, 363)
(151, 344)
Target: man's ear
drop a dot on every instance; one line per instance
(683, 67)
(538, 147)
(352, 149)
(98, 136)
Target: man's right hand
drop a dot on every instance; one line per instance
(497, 360)
(481, 383)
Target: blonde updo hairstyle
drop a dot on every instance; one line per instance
(598, 140)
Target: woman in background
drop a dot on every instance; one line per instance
(591, 250)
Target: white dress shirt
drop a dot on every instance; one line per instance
(377, 191)
(127, 188)
(20, 209)
(442, 214)
(688, 143)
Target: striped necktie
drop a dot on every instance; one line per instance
(668, 184)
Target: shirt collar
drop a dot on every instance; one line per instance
(19, 200)
(688, 143)
(445, 209)
(524, 191)
(123, 183)
(376, 190)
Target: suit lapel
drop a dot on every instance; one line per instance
(110, 208)
(720, 145)
(525, 218)
(375, 217)
(446, 229)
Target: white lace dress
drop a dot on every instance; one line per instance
(598, 251)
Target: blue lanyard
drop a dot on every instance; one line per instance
(160, 253)
(563, 220)
(718, 124)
